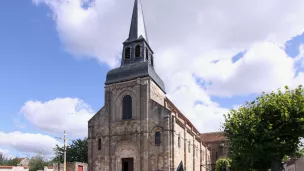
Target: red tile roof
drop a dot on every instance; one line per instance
(6, 167)
(213, 137)
(11, 167)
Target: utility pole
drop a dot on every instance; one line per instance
(64, 150)
(64, 146)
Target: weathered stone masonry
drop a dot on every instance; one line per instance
(139, 128)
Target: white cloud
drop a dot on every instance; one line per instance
(55, 116)
(81, 30)
(265, 67)
(28, 142)
(4, 151)
(187, 39)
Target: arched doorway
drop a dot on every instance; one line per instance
(127, 156)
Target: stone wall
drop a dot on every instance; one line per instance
(70, 166)
(192, 152)
(179, 151)
(189, 150)
(157, 94)
(194, 159)
(135, 138)
(13, 168)
(197, 155)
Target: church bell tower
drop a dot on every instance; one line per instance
(131, 132)
(137, 58)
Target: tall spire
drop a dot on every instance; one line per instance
(137, 56)
(138, 27)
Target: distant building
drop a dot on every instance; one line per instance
(217, 144)
(23, 161)
(71, 166)
(294, 164)
(48, 168)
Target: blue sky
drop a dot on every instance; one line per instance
(55, 56)
(35, 66)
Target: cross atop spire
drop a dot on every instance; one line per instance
(138, 28)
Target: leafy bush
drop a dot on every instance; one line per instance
(221, 162)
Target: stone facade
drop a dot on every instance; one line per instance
(123, 139)
(139, 128)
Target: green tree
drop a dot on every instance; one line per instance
(221, 162)
(4, 161)
(37, 162)
(77, 151)
(262, 132)
(13, 162)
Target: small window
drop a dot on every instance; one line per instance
(178, 141)
(137, 51)
(189, 150)
(99, 144)
(152, 63)
(203, 155)
(127, 53)
(127, 107)
(147, 55)
(157, 138)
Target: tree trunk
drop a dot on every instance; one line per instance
(276, 166)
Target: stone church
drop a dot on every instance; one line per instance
(139, 128)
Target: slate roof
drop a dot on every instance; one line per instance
(133, 71)
(138, 27)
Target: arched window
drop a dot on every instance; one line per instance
(137, 51)
(127, 107)
(127, 53)
(157, 138)
(178, 141)
(99, 143)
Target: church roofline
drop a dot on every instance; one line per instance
(181, 115)
(132, 72)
